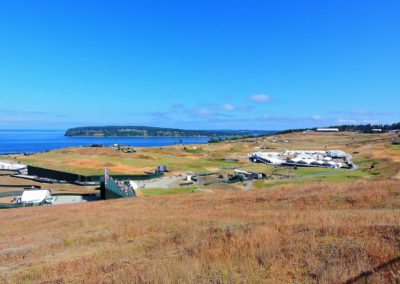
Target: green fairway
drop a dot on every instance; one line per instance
(327, 176)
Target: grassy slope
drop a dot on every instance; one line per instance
(295, 233)
(94, 160)
(318, 226)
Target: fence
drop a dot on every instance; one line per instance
(75, 178)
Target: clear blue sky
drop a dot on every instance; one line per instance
(199, 64)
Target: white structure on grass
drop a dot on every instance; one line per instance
(11, 167)
(310, 158)
(35, 196)
(328, 130)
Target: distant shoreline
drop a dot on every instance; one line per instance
(17, 142)
(104, 145)
(154, 132)
(87, 136)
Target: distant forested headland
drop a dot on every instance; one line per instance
(145, 131)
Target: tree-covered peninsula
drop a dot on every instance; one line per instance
(145, 131)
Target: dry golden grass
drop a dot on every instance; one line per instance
(314, 232)
(88, 160)
(296, 233)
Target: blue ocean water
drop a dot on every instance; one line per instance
(27, 141)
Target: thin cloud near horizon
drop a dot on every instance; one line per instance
(260, 98)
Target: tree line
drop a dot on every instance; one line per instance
(365, 128)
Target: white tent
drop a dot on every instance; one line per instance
(317, 163)
(35, 196)
(301, 157)
(336, 154)
(275, 161)
(297, 160)
(9, 166)
(309, 161)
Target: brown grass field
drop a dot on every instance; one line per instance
(311, 230)
(309, 233)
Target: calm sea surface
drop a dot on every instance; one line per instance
(23, 141)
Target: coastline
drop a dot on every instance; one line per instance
(16, 142)
(103, 146)
(143, 136)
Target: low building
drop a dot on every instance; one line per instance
(328, 130)
(249, 175)
(336, 154)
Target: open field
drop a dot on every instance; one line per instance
(293, 233)
(373, 154)
(217, 157)
(317, 225)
